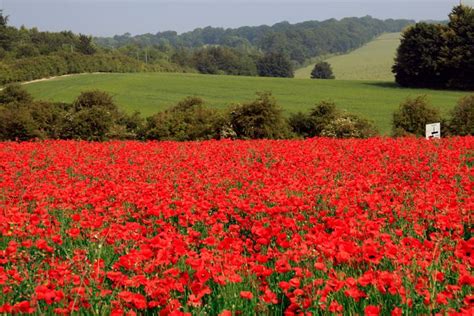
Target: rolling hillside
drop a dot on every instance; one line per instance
(373, 61)
(152, 92)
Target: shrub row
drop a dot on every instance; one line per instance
(413, 115)
(27, 69)
(95, 116)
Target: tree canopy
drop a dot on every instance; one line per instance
(322, 70)
(438, 55)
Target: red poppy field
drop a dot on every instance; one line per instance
(314, 227)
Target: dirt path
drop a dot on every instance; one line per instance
(55, 77)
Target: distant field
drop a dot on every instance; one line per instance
(373, 61)
(152, 92)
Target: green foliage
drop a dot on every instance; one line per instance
(436, 55)
(322, 70)
(94, 116)
(275, 65)
(17, 124)
(421, 57)
(85, 45)
(461, 45)
(223, 60)
(462, 117)
(3, 19)
(50, 118)
(325, 120)
(188, 120)
(95, 98)
(22, 118)
(139, 92)
(299, 42)
(128, 126)
(261, 118)
(321, 115)
(412, 116)
(15, 93)
(92, 124)
(301, 124)
(349, 125)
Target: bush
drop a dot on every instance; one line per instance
(92, 124)
(15, 94)
(325, 120)
(17, 124)
(188, 120)
(349, 126)
(462, 117)
(50, 118)
(301, 124)
(94, 116)
(259, 119)
(412, 116)
(128, 126)
(321, 115)
(93, 99)
(24, 119)
(322, 70)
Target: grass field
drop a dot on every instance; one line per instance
(152, 92)
(373, 61)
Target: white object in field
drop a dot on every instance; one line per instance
(433, 130)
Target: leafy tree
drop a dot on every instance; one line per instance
(215, 60)
(412, 116)
(436, 55)
(261, 118)
(462, 117)
(461, 45)
(275, 65)
(85, 45)
(322, 70)
(5, 33)
(3, 20)
(421, 57)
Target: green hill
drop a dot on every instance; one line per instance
(152, 92)
(373, 61)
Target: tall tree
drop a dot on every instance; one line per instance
(420, 60)
(3, 19)
(461, 44)
(85, 45)
(275, 65)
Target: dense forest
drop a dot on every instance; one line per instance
(299, 42)
(28, 54)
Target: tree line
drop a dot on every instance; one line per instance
(94, 116)
(299, 42)
(273, 51)
(438, 55)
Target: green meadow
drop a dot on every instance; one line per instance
(372, 61)
(153, 92)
